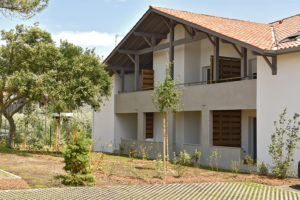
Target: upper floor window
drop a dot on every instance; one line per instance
(252, 68)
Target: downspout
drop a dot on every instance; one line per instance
(274, 38)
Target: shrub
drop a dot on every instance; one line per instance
(77, 162)
(184, 158)
(250, 163)
(236, 166)
(196, 158)
(132, 150)
(178, 167)
(283, 144)
(214, 160)
(159, 168)
(122, 148)
(3, 142)
(263, 169)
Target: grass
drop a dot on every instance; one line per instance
(14, 151)
(41, 169)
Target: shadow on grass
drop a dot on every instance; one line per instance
(14, 151)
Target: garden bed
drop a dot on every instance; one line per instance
(40, 170)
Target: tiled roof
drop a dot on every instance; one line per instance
(255, 34)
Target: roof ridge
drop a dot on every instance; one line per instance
(155, 7)
(285, 18)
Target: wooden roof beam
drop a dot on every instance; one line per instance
(150, 35)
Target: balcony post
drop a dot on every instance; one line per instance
(136, 72)
(216, 59)
(244, 63)
(122, 80)
(171, 50)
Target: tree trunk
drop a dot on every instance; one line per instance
(57, 133)
(11, 131)
(25, 136)
(164, 144)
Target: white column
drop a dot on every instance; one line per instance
(141, 126)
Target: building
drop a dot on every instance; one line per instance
(238, 77)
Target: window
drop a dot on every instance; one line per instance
(149, 125)
(252, 69)
(206, 74)
(227, 128)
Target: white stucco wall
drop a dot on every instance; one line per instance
(103, 127)
(192, 127)
(247, 132)
(125, 127)
(274, 93)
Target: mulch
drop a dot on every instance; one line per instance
(13, 184)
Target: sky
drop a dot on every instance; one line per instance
(97, 23)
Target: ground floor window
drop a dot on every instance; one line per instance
(227, 128)
(149, 125)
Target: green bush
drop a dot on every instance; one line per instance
(263, 169)
(196, 158)
(77, 162)
(184, 158)
(284, 143)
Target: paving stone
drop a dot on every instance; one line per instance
(209, 191)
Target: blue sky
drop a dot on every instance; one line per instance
(94, 23)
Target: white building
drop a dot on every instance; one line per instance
(238, 77)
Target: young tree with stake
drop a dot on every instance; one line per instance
(166, 97)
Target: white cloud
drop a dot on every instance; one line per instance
(89, 39)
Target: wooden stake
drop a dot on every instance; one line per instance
(25, 136)
(167, 140)
(57, 133)
(164, 144)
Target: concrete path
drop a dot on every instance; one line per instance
(209, 191)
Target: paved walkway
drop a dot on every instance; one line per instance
(209, 191)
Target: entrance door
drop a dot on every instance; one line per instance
(253, 138)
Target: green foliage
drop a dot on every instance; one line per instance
(184, 158)
(250, 163)
(159, 166)
(263, 169)
(132, 150)
(196, 157)
(236, 165)
(77, 161)
(283, 144)
(179, 163)
(214, 160)
(166, 95)
(4, 149)
(34, 69)
(25, 9)
(2, 142)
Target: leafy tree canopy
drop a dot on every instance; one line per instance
(23, 8)
(33, 68)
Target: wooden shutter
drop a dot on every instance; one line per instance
(149, 125)
(227, 128)
(147, 79)
(228, 68)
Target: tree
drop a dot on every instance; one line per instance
(34, 69)
(283, 144)
(77, 162)
(28, 52)
(166, 97)
(79, 80)
(23, 8)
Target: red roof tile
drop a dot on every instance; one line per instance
(255, 34)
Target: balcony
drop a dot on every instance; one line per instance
(221, 95)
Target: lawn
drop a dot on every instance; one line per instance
(40, 170)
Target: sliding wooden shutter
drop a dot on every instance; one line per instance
(227, 128)
(228, 68)
(149, 125)
(147, 79)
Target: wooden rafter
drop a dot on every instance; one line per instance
(211, 40)
(273, 64)
(237, 50)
